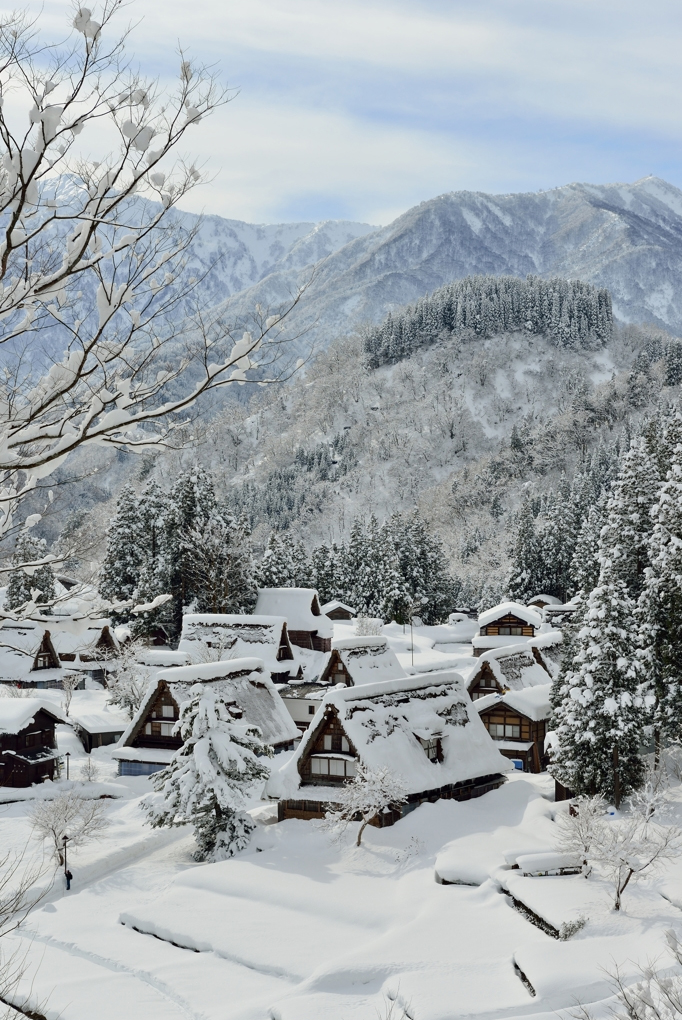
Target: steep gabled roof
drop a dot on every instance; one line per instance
(329, 607)
(299, 606)
(533, 702)
(529, 616)
(384, 723)
(17, 713)
(513, 666)
(243, 682)
(241, 636)
(367, 659)
(547, 649)
(549, 600)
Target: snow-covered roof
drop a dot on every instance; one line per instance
(532, 702)
(105, 721)
(383, 723)
(513, 666)
(329, 607)
(17, 713)
(548, 648)
(368, 659)
(495, 641)
(152, 755)
(163, 657)
(530, 616)
(240, 636)
(243, 682)
(547, 600)
(299, 606)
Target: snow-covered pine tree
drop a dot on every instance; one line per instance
(220, 564)
(584, 569)
(324, 572)
(598, 710)
(423, 566)
(154, 576)
(281, 566)
(191, 502)
(623, 543)
(371, 573)
(29, 549)
(660, 605)
(523, 578)
(125, 553)
(209, 779)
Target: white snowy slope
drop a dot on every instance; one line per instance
(627, 237)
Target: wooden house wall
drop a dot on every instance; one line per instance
(38, 734)
(310, 639)
(339, 614)
(330, 739)
(484, 682)
(335, 672)
(509, 624)
(529, 730)
(155, 718)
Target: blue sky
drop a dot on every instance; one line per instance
(359, 109)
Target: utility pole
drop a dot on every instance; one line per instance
(68, 755)
(65, 840)
(616, 777)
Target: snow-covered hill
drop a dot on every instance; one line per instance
(627, 237)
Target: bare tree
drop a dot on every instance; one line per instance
(70, 682)
(632, 846)
(369, 793)
(70, 815)
(89, 771)
(21, 890)
(580, 829)
(128, 684)
(90, 270)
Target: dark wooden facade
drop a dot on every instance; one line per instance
(46, 656)
(484, 682)
(93, 738)
(508, 625)
(340, 613)
(331, 761)
(335, 672)
(155, 728)
(29, 756)
(506, 723)
(311, 640)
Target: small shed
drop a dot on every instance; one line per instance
(28, 746)
(98, 729)
(150, 739)
(510, 668)
(424, 729)
(517, 722)
(308, 627)
(361, 660)
(540, 601)
(336, 610)
(506, 624)
(240, 636)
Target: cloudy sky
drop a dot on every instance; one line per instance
(359, 109)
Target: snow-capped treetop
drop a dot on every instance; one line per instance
(17, 713)
(299, 606)
(533, 702)
(385, 724)
(530, 616)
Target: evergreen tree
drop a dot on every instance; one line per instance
(523, 579)
(324, 572)
(220, 564)
(28, 549)
(155, 570)
(371, 573)
(423, 567)
(209, 779)
(584, 569)
(623, 544)
(125, 554)
(284, 563)
(660, 606)
(598, 710)
(191, 503)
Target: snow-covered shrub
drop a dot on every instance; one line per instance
(368, 626)
(208, 780)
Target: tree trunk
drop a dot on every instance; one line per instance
(657, 748)
(361, 830)
(620, 889)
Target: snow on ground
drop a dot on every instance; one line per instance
(299, 927)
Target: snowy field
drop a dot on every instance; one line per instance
(301, 928)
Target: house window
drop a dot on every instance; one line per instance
(327, 742)
(432, 748)
(148, 728)
(341, 767)
(168, 711)
(510, 730)
(43, 660)
(510, 630)
(311, 710)
(167, 729)
(33, 739)
(345, 746)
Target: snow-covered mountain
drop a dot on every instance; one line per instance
(627, 237)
